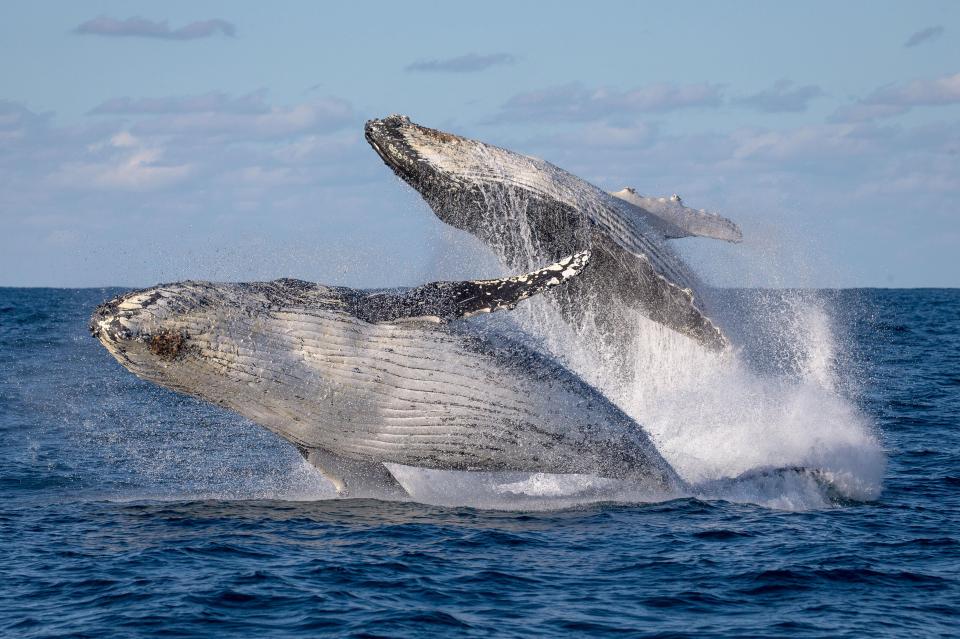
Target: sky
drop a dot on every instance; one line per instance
(146, 142)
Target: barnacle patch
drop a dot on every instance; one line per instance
(167, 344)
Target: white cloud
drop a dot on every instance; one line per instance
(17, 122)
(143, 28)
(834, 141)
(862, 112)
(469, 63)
(314, 146)
(274, 122)
(130, 164)
(926, 92)
(782, 97)
(169, 200)
(897, 99)
(213, 102)
(578, 103)
(179, 145)
(924, 35)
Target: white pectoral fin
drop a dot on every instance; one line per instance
(487, 296)
(352, 477)
(681, 220)
(445, 301)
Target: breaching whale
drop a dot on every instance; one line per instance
(355, 379)
(527, 209)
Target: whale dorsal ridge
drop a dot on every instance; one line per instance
(446, 301)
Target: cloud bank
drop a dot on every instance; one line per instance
(138, 27)
(220, 186)
(138, 170)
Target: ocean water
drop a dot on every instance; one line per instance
(129, 511)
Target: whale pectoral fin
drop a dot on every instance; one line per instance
(354, 478)
(445, 301)
(671, 217)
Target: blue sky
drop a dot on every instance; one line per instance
(142, 142)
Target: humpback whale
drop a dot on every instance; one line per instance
(527, 209)
(355, 379)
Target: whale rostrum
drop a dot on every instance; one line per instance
(528, 210)
(357, 379)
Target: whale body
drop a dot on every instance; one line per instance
(527, 209)
(355, 379)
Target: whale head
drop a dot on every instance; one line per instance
(433, 162)
(458, 176)
(146, 330)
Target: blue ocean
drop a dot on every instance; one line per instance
(131, 511)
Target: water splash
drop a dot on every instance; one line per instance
(780, 398)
